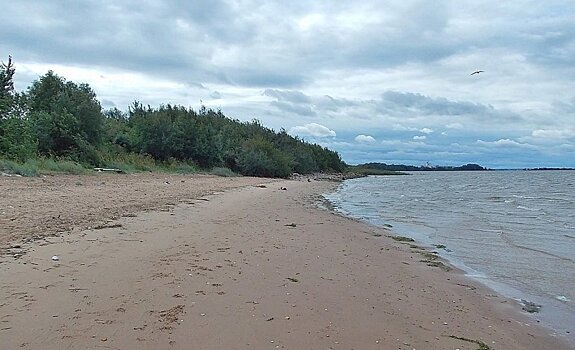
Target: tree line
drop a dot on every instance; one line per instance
(62, 119)
(403, 167)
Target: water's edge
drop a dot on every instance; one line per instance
(551, 315)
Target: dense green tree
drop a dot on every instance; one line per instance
(16, 138)
(67, 118)
(17, 141)
(116, 128)
(7, 71)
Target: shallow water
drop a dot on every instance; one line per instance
(513, 230)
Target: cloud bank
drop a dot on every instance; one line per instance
(329, 71)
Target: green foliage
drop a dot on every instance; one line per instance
(259, 157)
(37, 166)
(128, 162)
(7, 71)
(52, 165)
(67, 118)
(16, 139)
(63, 120)
(175, 166)
(56, 132)
(24, 169)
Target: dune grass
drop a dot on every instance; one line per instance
(38, 166)
(127, 163)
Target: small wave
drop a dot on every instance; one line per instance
(523, 197)
(506, 237)
(478, 229)
(527, 208)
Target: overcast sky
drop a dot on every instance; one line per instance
(387, 81)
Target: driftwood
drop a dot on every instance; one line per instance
(119, 171)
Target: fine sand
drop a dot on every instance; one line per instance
(171, 262)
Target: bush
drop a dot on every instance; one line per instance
(16, 140)
(255, 163)
(259, 158)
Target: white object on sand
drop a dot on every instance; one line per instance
(55, 258)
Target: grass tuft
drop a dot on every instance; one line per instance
(35, 167)
(11, 167)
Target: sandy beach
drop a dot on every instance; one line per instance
(154, 261)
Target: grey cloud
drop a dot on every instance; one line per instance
(264, 77)
(171, 39)
(331, 104)
(291, 101)
(429, 106)
(302, 104)
(288, 96)
(181, 38)
(302, 110)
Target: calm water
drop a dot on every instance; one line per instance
(513, 230)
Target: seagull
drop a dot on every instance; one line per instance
(477, 72)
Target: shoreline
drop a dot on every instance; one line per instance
(548, 311)
(525, 303)
(252, 267)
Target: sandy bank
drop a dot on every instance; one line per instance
(252, 268)
(38, 207)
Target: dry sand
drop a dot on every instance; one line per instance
(251, 268)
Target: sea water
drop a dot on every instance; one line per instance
(512, 230)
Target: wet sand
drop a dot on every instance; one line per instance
(254, 267)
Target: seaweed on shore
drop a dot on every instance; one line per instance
(431, 259)
(482, 345)
(530, 306)
(402, 239)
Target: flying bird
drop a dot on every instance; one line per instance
(477, 72)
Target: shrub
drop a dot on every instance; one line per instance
(258, 157)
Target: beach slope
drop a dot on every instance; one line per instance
(255, 267)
